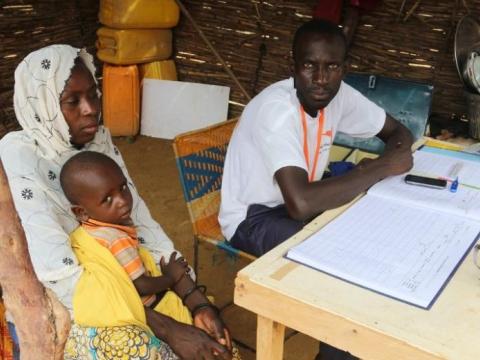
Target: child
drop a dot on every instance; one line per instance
(101, 200)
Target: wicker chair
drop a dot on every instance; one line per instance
(200, 155)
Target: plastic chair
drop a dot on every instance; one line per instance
(200, 156)
(407, 101)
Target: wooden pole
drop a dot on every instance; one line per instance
(212, 48)
(41, 321)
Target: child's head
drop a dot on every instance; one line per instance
(97, 188)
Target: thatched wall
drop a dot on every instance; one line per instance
(254, 37)
(29, 25)
(420, 48)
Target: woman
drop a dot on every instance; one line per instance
(57, 103)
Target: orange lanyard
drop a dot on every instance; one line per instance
(321, 119)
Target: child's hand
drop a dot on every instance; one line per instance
(175, 269)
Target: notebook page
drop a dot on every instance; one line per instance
(439, 165)
(464, 202)
(386, 247)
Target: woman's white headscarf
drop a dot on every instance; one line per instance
(33, 158)
(39, 82)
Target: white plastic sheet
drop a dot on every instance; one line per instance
(170, 108)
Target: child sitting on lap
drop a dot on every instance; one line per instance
(101, 200)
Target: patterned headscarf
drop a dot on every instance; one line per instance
(39, 82)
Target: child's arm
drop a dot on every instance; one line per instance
(149, 285)
(172, 273)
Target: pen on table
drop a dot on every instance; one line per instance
(443, 145)
(453, 174)
(454, 186)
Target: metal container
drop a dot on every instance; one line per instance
(471, 72)
(467, 39)
(473, 114)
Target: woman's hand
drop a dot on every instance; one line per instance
(206, 317)
(208, 320)
(188, 342)
(175, 269)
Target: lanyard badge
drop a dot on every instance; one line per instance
(321, 122)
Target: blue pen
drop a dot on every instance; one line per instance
(454, 186)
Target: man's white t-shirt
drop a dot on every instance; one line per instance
(269, 136)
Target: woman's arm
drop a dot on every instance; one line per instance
(44, 223)
(204, 313)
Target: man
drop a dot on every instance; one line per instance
(278, 152)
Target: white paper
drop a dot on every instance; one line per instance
(402, 252)
(170, 108)
(473, 149)
(443, 166)
(464, 202)
(401, 240)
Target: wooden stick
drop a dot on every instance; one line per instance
(209, 44)
(401, 10)
(41, 321)
(410, 12)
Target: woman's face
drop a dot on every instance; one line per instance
(80, 105)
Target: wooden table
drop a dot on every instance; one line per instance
(371, 326)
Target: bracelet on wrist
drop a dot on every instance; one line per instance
(190, 291)
(201, 306)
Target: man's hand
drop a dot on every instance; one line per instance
(175, 269)
(208, 320)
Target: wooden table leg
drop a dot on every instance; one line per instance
(270, 337)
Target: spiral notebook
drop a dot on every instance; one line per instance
(400, 240)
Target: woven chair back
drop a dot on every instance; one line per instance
(200, 156)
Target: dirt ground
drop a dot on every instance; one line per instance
(151, 164)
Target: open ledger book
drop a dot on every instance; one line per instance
(401, 240)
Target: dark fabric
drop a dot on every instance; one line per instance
(264, 228)
(338, 168)
(330, 10)
(366, 5)
(328, 352)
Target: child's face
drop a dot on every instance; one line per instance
(107, 197)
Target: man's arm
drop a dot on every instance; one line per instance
(305, 200)
(395, 136)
